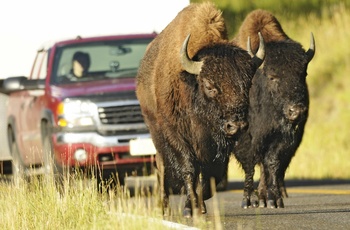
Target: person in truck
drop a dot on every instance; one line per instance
(80, 65)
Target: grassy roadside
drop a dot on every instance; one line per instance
(324, 152)
(38, 206)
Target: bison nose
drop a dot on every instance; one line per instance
(232, 127)
(294, 112)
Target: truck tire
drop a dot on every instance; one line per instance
(53, 170)
(18, 167)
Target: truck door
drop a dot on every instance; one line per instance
(32, 107)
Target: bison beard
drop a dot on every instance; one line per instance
(278, 111)
(195, 102)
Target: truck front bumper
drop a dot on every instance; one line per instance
(91, 149)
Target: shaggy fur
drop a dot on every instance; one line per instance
(278, 111)
(188, 114)
(259, 21)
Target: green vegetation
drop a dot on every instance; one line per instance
(324, 152)
(37, 205)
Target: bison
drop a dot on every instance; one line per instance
(194, 94)
(278, 111)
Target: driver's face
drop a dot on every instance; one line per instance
(77, 69)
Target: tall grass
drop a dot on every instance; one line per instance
(38, 205)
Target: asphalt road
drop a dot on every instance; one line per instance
(311, 204)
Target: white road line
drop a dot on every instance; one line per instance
(166, 223)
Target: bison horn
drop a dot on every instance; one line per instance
(249, 47)
(258, 58)
(311, 52)
(190, 66)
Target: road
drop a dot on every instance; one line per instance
(311, 205)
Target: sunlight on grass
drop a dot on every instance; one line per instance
(37, 205)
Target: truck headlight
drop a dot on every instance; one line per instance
(74, 113)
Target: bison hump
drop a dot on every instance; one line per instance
(203, 21)
(260, 21)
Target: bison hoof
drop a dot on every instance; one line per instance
(203, 208)
(271, 204)
(255, 204)
(187, 213)
(245, 203)
(280, 203)
(262, 203)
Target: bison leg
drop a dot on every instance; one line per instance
(275, 199)
(202, 191)
(283, 189)
(262, 188)
(283, 167)
(206, 190)
(280, 181)
(191, 196)
(163, 188)
(274, 193)
(248, 190)
(245, 158)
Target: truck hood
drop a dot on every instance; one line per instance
(93, 88)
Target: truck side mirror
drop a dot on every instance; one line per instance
(18, 83)
(12, 84)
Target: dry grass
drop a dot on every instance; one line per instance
(37, 205)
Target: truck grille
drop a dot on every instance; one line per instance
(126, 114)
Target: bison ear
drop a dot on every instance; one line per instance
(209, 88)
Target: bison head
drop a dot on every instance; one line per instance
(220, 76)
(283, 79)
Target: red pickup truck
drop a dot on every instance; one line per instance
(56, 122)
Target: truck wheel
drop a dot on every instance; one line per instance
(18, 168)
(52, 169)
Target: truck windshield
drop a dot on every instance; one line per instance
(98, 60)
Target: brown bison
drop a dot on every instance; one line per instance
(194, 101)
(278, 111)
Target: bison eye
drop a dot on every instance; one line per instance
(209, 89)
(272, 78)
